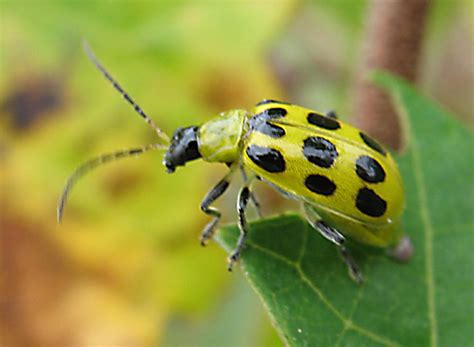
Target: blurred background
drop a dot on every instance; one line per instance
(125, 267)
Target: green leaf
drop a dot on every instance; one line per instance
(428, 302)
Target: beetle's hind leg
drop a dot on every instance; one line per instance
(214, 194)
(337, 238)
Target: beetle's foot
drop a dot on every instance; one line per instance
(234, 257)
(204, 239)
(403, 251)
(352, 268)
(208, 232)
(355, 274)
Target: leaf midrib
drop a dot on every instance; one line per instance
(427, 228)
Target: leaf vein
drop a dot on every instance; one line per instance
(428, 231)
(348, 324)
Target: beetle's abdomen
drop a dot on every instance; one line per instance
(327, 163)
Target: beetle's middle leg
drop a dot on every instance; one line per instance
(337, 238)
(252, 196)
(242, 201)
(206, 207)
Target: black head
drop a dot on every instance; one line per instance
(183, 148)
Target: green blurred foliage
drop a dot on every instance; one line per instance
(126, 261)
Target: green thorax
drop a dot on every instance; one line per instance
(219, 138)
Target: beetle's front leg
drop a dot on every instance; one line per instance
(210, 197)
(337, 238)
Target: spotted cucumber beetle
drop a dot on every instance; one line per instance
(348, 184)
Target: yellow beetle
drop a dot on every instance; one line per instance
(348, 184)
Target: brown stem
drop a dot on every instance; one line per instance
(393, 41)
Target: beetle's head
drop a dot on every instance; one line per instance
(183, 148)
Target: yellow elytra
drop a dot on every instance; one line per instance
(356, 183)
(349, 185)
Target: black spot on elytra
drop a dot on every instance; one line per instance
(260, 124)
(369, 169)
(272, 130)
(369, 203)
(320, 151)
(320, 184)
(372, 143)
(322, 121)
(270, 101)
(269, 159)
(272, 113)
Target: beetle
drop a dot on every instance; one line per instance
(348, 184)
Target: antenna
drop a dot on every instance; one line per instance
(163, 137)
(92, 164)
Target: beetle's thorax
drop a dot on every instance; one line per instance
(219, 139)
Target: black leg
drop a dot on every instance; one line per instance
(352, 267)
(337, 238)
(242, 201)
(329, 233)
(253, 198)
(212, 196)
(318, 224)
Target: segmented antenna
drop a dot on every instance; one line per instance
(92, 164)
(164, 138)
